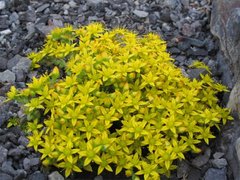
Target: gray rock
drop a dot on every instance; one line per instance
(5, 32)
(20, 5)
(187, 30)
(8, 169)
(195, 42)
(174, 50)
(31, 30)
(2, 5)
(171, 3)
(23, 64)
(37, 176)
(27, 16)
(15, 152)
(28, 163)
(183, 169)
(201, 160)
(185, 3)
(7, 76)
(34, 162)
(42, 7)
(197, 52)
(183, 45)
(94, 2)
(22, 140)
(225, 24)
(234, 98)
(180, 59)
(3, 63)
(152, 18)
(140, 14)
(165, 15)
(237, 148)
(219, 174)
(72, 4)
(218, 155)
(210, 45)
(14, 18)
(219, 163)
(12, 62)
(21, 69)
(3, 138)
(99, 177)
(3, 152)
(20, 174)
(4, 176)
(44, 29)
(194, 174)
(166, 27)
(195, 73)
(4, 22)
(109, 13)
(12, 137)
(55, 176)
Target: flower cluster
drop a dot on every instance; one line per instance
(115, 100)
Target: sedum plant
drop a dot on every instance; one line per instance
(115, 100)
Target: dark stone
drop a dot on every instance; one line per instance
(224, 70)
(27, 16)
(183, 169)
(218, 155)
(201, 160)
(219, 174)
(20, 5)
(14, 18)
(152, 18)
(7, 77)
(44, 29)
(4, 176)
(21, 69)
(23, 141)
(195, 42)
(187, 30)
(174, 50)
(3, 154)
(8, 145)
(16, 130)
(3, 63)
(13, 61)
(195, 73)
(4, 115)
(3, 22)
(12, 137)
(197, 52)
(15, 152)
(194, 174)
(7, 168)
(183, 45)
(165, 15)
(42, 7)
(210, 45)
(29, 162)
(37, 176)
(219, 163)
(180, 59)
(20, 174)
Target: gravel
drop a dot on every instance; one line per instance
(24, 24)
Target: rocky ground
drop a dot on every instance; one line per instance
(184, 24)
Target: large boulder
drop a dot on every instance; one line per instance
(225, 24)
